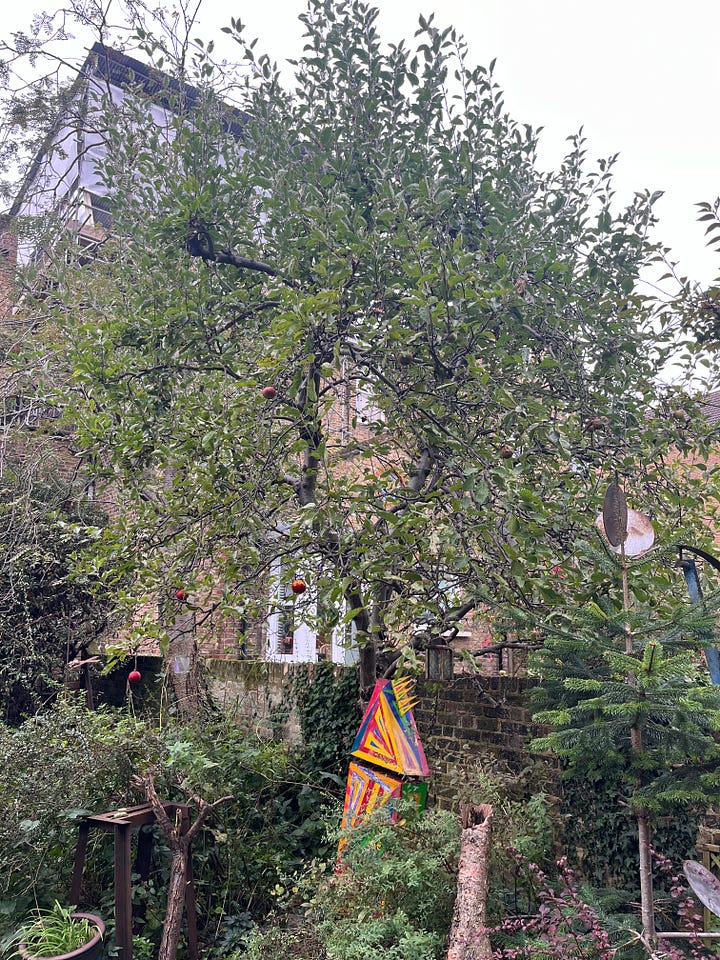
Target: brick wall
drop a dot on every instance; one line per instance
(256, 692)
(477, 718)
(461, 721)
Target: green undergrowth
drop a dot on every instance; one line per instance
(68, 762)
(392, 896)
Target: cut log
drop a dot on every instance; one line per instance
(469, 939)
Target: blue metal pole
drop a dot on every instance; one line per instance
(712, 654)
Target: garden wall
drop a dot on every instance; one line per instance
(472, 719)
(460, 721)
(257, 692)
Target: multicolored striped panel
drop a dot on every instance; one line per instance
(388, 736)
(367, 790)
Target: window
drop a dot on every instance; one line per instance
(289, 638)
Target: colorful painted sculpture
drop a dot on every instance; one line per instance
(387, 738)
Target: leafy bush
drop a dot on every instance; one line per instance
(49, 611)
(57, 767)
(565, 924)
(68, 762)
(393, 897)
(299, 942)
(574, 919)
(273, 826)
(405, 871)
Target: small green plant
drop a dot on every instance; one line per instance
(54, 932)
(301, 942)
(143, 948)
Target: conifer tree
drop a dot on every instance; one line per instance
(624, 686)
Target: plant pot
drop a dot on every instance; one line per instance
(89, 951)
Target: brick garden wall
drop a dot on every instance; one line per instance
(460, 722)
(472, 719)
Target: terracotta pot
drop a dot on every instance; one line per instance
(89, 951)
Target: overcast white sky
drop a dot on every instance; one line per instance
(641, 77)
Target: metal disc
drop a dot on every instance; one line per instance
(615, 515)
(705, 885)
(640, 534)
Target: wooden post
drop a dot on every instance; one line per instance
(79, 864)
(469, 939)
(123, 898)
(144, 853)
(190, 906)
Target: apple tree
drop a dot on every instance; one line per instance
(457, 347)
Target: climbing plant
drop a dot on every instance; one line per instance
(328, 704)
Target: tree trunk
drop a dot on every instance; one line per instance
(647, 905)
(368, 670)
(183, 666)
(172, 924)
(647, 902)
(469, 939)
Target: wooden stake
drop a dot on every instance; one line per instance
(647, 906)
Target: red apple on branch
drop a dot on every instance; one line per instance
(269, 392)
(298, 586)
(134, 676)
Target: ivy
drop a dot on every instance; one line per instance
(328, 704)
(604, 844)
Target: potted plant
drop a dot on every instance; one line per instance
(61, 933)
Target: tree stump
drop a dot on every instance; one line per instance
(469, 939)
